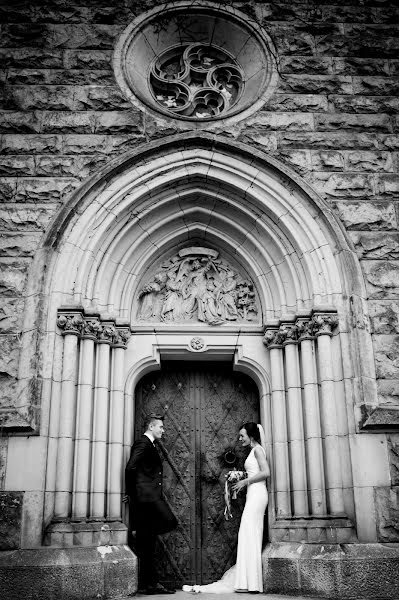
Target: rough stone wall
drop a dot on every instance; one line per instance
(333, 119)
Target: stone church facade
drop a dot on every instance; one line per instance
(199, 216)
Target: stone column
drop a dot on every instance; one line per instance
(323, 324)
(80, 500)
(295, 424)
(116, 431)
(71, 323)
(314, 448)
(100, 422)
(273, 341)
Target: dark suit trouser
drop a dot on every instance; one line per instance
(152, 518)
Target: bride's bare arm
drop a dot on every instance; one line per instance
(263, 474)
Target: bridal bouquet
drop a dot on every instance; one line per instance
(231, 478)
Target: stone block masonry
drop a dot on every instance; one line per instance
(332, 119)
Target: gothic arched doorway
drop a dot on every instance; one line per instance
(204, 405)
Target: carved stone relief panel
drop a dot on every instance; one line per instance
(197, 285)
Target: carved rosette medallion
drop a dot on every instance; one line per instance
(197, 344)
(196, 285)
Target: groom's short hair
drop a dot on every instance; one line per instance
(151, 418)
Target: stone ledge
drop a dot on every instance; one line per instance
(380, 418)
(107, 572)
(334, 571)
(67, 534)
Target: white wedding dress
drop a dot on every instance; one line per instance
(246, 574)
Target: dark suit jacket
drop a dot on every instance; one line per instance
(143, 472)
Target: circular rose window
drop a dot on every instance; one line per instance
(194, 62)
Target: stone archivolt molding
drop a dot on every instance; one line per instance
(195, 285)
(304, 328)
(92, 327)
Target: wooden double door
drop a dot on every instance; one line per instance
(204, 406)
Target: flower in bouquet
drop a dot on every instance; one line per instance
(231, 478)
(234, 476)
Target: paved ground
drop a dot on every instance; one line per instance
(236, 596)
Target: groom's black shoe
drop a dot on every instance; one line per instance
(158, 588)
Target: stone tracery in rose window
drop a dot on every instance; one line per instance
(196, 80)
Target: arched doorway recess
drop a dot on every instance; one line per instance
(197, 191)
(204, 403)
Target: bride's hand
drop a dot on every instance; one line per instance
(237, 487)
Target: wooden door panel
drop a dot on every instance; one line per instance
(203, 406)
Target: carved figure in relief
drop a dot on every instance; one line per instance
(227, 296)
(196, 285)
(172, 308)
(152, 299)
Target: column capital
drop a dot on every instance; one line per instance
(323, 323)
(304, 327)
(122, 336)
(274, 337)
(70, 321)
(91, 327)
(107, 332)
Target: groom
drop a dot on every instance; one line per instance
(150, 515)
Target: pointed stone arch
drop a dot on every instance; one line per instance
(195, 189)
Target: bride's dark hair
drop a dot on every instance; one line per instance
(252, 430)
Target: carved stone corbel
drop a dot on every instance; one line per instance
(70, 322)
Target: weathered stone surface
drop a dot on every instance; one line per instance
(388, 392)
(26, 218)
(100, 98)
(367, 216)
(286, 121)
(119, 122)
(344, 185)
(376, 245)
(85, 144)
(352, 65)
(316, 84)
(59, 77)
(369, 161)
(393, 450)
(330, 160)
(365, 104)
(309, 65)
(13, 245)
(387, 185)
(12, 277)
(382, 279)
(9, 353)
(329, 140)
(87, 59)
(303, 103)
(341, 121)
(19, 122)
(67, 573)
(296, 158)
(44, 190)
(42, 97)
(8, 188)
(10, 520)
(11, 315)
(387, 509)
(26, 58)
(16, 166)
(386, 351)
(376, 86)
(30, 144)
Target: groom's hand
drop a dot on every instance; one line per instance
(125, 499)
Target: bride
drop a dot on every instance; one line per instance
(246, 574)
